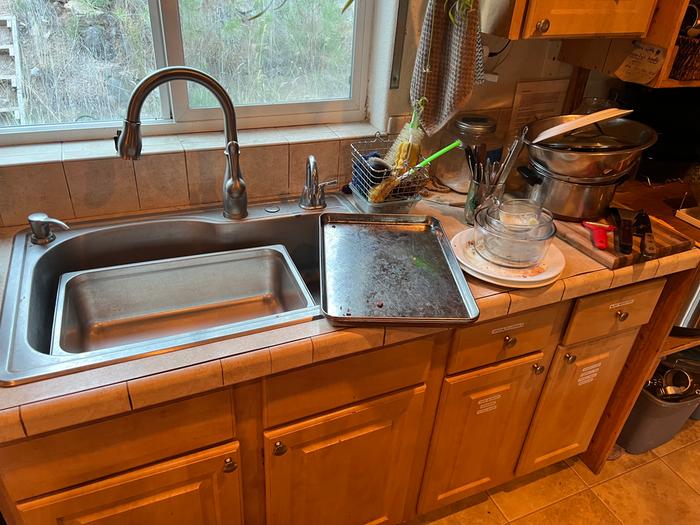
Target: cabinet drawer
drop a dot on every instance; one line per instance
(613, 311)
(506, 338)
(57, 461)
(302, 393)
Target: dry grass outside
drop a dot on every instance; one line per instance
(82, 58)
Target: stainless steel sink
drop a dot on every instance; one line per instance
(35, 272)
(161, 304)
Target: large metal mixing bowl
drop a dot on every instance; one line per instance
(634, 137)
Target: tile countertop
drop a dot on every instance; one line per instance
(79, 397)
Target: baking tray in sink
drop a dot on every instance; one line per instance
(391, 269)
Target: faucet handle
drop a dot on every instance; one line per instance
(322, 185)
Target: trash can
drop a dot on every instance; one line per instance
(669, 398)
(689, 361)
(653, 422)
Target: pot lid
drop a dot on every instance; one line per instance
(613, 135)
(590, 138)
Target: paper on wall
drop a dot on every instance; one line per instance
(642, 65)
(536, 100)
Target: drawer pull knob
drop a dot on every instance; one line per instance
(509, 342)
(570, 358)
(622, 315)
(230, 465)
(537, 369)
(279, 448)
(542, 26)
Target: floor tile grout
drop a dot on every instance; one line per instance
(679, 476)
(597, 483)
(488, 493)
(610, 509)
(584, 489)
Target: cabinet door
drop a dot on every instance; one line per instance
(577, 18)
(579, 383)
(347, 467)
(481, 423)
(199, 489)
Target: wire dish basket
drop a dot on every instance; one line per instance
(365, 177)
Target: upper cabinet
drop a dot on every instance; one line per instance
(517, 19)
(649, 60)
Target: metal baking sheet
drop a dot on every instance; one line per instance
(391, 269)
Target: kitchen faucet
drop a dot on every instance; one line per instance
(313, 197)
(128, 139)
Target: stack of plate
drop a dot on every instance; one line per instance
(545, 272)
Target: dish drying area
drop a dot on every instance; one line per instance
(563, 184)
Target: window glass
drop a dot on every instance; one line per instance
(294, 51)
(73, 61)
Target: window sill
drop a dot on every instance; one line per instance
(154, 145)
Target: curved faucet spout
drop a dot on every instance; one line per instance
(128, 140)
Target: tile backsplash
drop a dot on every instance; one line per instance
(87, 179)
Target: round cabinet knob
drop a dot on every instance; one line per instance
(509, 342)
(537, 369)
(570, 358)
(230, 465)
(279, 448)
(622, 315)
(542, 26)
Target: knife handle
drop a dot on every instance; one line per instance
(624, 237)
(648, 246)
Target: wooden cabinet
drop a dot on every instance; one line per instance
(350, 466)
(580, 381)
(199, 489)
(566, 18)
(79, 455)
(606, 55)
(613, 311)
(481, 423)
(574, 18)
(502, 339)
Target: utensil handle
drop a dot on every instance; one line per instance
(648, 246)
(600, 238)
(624, 237)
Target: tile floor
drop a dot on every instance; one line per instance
(660, 486)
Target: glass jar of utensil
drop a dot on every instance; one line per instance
(481, 193)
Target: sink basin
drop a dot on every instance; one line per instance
(35, 271)
(160, 304)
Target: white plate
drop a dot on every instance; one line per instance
(543, 273)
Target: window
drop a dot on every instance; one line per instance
(70, 65)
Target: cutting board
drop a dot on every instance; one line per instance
(668, 241)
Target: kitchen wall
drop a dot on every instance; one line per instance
(523, 60)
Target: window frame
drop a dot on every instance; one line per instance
(178, 117)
